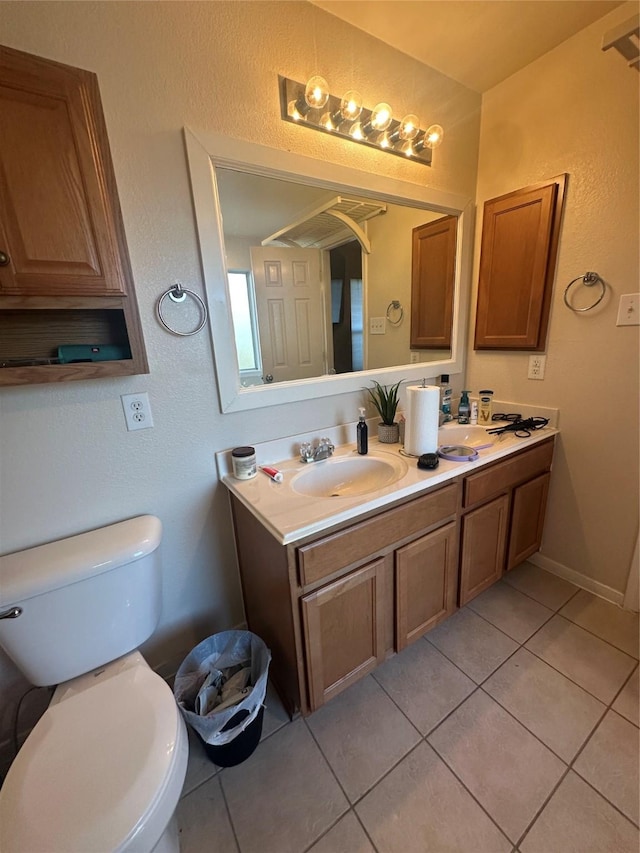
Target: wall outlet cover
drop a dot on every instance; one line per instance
(537, 364)
(137, 411)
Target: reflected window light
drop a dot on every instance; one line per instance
(245, 323)
(357, 323)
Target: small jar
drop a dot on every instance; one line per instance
(243, 460)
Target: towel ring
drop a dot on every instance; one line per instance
(178, 294)
(395, 306)
(588, 279)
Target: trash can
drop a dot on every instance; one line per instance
(220, 689)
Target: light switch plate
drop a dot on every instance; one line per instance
(377, 325)
(629, 310)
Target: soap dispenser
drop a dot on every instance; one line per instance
(464, 409)
(362, 434)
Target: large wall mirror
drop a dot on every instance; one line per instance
(308, 272)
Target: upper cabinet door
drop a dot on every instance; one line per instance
(520, 234)
(433, 266)
(60, 225)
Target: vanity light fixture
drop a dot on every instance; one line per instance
(311, 105)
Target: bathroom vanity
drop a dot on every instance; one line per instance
(335, 585)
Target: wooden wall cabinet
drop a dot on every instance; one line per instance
(520, 233)
(503, 509)
(65, 275)
(433, 264)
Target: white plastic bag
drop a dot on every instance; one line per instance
(219, 652)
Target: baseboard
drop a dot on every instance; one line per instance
(591, 585)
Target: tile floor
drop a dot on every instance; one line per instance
(511, 727)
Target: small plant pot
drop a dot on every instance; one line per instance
(388, 433)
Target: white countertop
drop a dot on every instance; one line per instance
(290, 516)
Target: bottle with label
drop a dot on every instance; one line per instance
(445, 398)
(484, 410)
(362, 435)
(243, 460)
(464, 409)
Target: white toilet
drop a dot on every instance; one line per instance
(103, 768)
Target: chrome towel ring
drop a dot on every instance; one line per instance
(588, 279)
(178, 294)
(395, 306)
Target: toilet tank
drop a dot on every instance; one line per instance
(85, 600)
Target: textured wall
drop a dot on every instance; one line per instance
(67, 464)
(575, 110)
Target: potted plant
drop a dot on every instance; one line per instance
(386, 402)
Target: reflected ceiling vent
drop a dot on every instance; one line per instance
(625, 38)
(332, 223)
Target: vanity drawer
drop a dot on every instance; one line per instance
(505, 475)
(332, 553)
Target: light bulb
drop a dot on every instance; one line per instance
(384, 141)
(351, 105)
(326, 121)
(381, 117)
(356, 131)
(409, 127)
(316, 92)
(293, 111)
(433, 136)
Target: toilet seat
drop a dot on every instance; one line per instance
(103, 768)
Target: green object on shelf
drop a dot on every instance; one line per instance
(71, 353)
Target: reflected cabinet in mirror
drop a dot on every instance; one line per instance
(315, 277)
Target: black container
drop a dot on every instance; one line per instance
(242, 746)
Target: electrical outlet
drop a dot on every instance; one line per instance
(137, 411)
(536, 366)
(377, 325)
(629, 310)
(414, 358)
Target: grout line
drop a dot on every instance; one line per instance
(231, 824)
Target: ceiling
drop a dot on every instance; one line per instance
(479, 43)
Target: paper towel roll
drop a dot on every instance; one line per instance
(421, 427)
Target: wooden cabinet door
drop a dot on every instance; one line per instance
(344, 631)
(527, 519)
(433, 263)
(60, 226)
(426, 583)
(484, 533)
(520, 233)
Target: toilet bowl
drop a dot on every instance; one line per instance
(103, 768)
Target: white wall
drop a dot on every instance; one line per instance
(67, 464)
(575, 110)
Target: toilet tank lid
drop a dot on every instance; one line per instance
(54, 565)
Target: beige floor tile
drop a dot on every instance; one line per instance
(546, 588)
(590, 662)
(347, 836)
(275, 715)
(204, 822)
(578, 820)
(515, 614)
(200, 767)
(608, 621)
(362, 734)
(504, 766)
(610, 763)
(555, 709)
(424, 684)
(421, 806)
(628, 701)
(284, 796)
(472, 644)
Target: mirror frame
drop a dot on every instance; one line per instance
(205, 152)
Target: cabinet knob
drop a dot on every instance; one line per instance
(4, 259)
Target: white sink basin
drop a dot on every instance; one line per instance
(465, 434)
(348, 476)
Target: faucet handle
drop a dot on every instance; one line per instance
(306, 451)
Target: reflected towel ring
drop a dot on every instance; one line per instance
(588, 279)
(178, 294)
(395, 306)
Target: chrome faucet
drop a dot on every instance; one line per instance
(323, 450)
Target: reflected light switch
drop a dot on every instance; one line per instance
(377, 325)
(629, 310)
